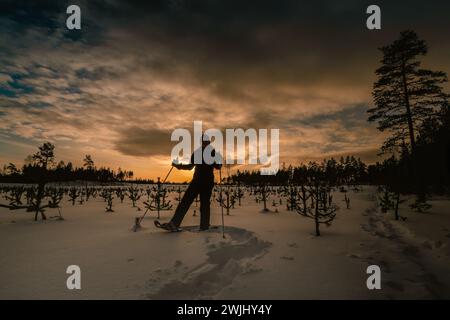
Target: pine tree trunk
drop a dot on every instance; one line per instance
(415, 174)
(408, 112)
(316, 219)
(304, 199)
(397, 201)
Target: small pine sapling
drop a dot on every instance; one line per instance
(55, 195)
(82, 194)
(390, 200)
(385, 199)
(238, 194)
(157, 201)
(346, 200)
(227, 201)
(324, 211)
(34, 197)
(109, 201)
(120, 194)
(301, 199)
(196, 201)
(73, 195)
(178, 196)
(420, 205)
(88, 193)
(262, 195)
(15, 196)
(291, 197)
(134, 195)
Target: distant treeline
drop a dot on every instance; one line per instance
(32, 173)
(394, 172)
(345, 171)
(433, 155)
(41, 168)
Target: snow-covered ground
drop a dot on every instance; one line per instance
(263, 256)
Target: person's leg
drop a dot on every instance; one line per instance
(188, 197)
(205, 197)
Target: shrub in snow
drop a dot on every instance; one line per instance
(107, 195)
(120, 194)
(389, 199)
(55, 195)
(14, 196)
(324, 210)
(34, 201)
(303, 195)
(226, 199)
(179, 193)
(420, 205)
(346, 200)
(134, 195)
(157, 199)
(238, 194)
(290, 193)
(385, 199)
(262, 195)
(74, 193)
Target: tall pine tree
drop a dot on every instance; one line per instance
(405, 95)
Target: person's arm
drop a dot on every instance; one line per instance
(181, 166)
(188, 166)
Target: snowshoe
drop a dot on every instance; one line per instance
(167, 226)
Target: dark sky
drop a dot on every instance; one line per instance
(137, 70)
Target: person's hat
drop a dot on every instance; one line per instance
(206, 138)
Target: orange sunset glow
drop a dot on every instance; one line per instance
(117, 88)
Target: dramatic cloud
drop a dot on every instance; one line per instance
(144, 142)
(138, 70)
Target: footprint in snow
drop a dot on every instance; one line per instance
(178, 263)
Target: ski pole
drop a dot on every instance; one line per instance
(171, 168)
(221, 206)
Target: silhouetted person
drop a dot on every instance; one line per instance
(202, 184)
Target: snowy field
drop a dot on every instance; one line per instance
(271, 255)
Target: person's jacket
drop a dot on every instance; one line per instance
(204, 173)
